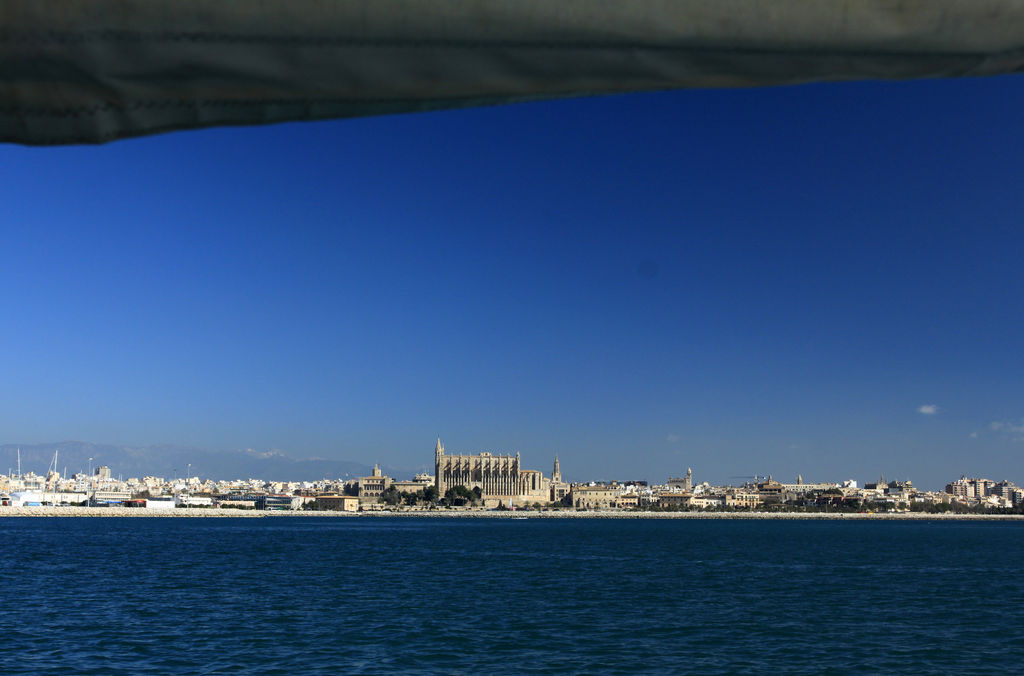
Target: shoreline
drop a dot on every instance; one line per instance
(108, 512)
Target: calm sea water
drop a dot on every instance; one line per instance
(475, 596)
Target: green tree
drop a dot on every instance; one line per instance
(458, 496)
(430, 495)
(391, 496)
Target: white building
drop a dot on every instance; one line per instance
(194, 501)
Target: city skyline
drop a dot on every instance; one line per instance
(816, 280)
(80, 459)
(497, 482)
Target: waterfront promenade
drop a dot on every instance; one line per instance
(101, 512)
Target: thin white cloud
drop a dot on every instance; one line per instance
(974, 435)
(672, 438)
(1014, 430)
(928, 409)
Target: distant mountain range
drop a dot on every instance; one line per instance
(172, 461)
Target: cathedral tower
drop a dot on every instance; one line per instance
(439, 468)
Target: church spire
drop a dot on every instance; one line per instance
(556, 473)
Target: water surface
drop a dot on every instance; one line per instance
(482, 596)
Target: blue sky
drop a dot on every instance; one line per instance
(741, 281)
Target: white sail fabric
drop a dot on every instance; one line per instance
(74, 71)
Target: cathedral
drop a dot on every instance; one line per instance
(500, 478)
